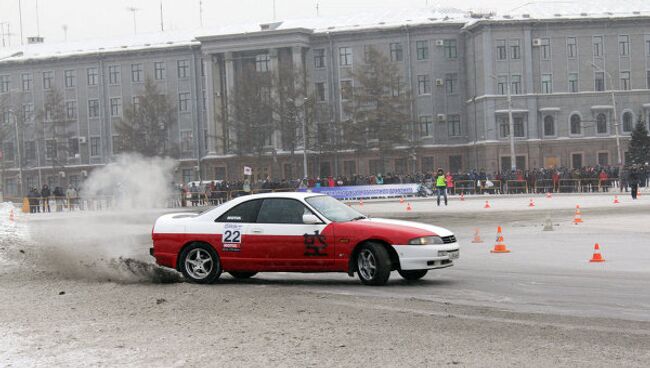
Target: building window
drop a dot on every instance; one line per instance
(545, 49)
(502, 84)
(71, 110)
(515, 50)
(136, 103)
(422, 50)
(5, 82)
(159, 70)
(518, 123)
(451, 51)
(346, 90)
(571, 47)
(426, 126)
(455, 163)
(547, 83)
(182, 68)
(92, 74)
(184, 101)
(396, 52)
(366, 54)
(624, 45)
(601, 123)
(262, 62)
(576, 124)
(515, 81)
(70, 78)
(625, 81)
(599, 81)
(598, 46)
(93, 108)
(573, 82)
(27, 81)
(114, 74)
(28, 111)
(186, 141)
(319, 58)
(453, 125)
(320, 91)
(627, 122)
(451, 83)
(30, 150)
(549, 125)
(647, 79)
(48, 77)
(504, 128)
(50, 148)
(345, 56)
(116, 107)
(603, 158)
(396, 87)
(73, 147)
(501, 50)
(136, 73)
(576, 160)
(647, 47)
(424, 85)
(94, 146)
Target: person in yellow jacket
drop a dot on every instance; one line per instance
(441, 186)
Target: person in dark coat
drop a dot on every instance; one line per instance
(45, 198)
(634, 181)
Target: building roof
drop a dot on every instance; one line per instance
(368, 20)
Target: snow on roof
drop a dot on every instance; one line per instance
(375, 19)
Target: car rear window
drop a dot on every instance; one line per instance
(244, 212)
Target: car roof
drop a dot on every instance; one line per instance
(294, 195)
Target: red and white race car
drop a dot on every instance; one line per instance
(297, 232)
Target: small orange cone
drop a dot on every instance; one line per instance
(549, 195)
(487, 205)
(578, 217)
(596, 257)
(638, 193)
(616, 199)
(11, 215)
(532, 203)
(500, 246)
(477, 236)
(361, 202)
(401, 199)
(462, 196)
(408, 207)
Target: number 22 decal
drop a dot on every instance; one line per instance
(232, 236)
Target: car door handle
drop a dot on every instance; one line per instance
(257, 231)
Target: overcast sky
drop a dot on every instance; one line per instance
(100, 18)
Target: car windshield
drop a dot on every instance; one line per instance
(334, 210)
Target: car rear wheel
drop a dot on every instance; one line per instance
(412, 275)
(373, 264)
(242, 275)
(200, 264)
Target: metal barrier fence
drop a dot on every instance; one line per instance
(465, 187)
(544, 186)
(568, 185)
(516, 186)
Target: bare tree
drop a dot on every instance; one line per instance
(146, 125)
(54, 129)
(377, 105)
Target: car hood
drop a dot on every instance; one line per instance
(436, 230)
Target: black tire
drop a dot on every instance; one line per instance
(373, 254)
(242, 275)
(210, 268)
(412, 275)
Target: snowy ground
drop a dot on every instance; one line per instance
(68, 302)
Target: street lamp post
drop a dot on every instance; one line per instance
(304, 138)
(615, 112)
(511, 125)
(19, 155)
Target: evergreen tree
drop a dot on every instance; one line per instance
(639, 144)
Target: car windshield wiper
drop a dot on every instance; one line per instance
(359, 218)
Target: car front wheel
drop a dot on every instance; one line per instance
(200, 264)
(413, 274)
(373, 264)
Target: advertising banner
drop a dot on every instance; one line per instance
(367, 191)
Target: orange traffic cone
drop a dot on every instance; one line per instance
(477, 236)
(597, 257)
(549, 195)
(638, 193)
(11, 215)
(487, 204)
(401, 199)
(462, 196)
(408, 207)
(616, 199)
(361, 202)
(532, 203)
(578, 217)
(500, 246)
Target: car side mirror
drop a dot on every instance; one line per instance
(310, 219)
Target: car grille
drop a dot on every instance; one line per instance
(448, 239)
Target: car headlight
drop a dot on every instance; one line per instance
(426, 240)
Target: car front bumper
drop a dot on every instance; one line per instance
(427, 257)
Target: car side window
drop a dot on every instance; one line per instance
(282, 211)
(245, 212)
